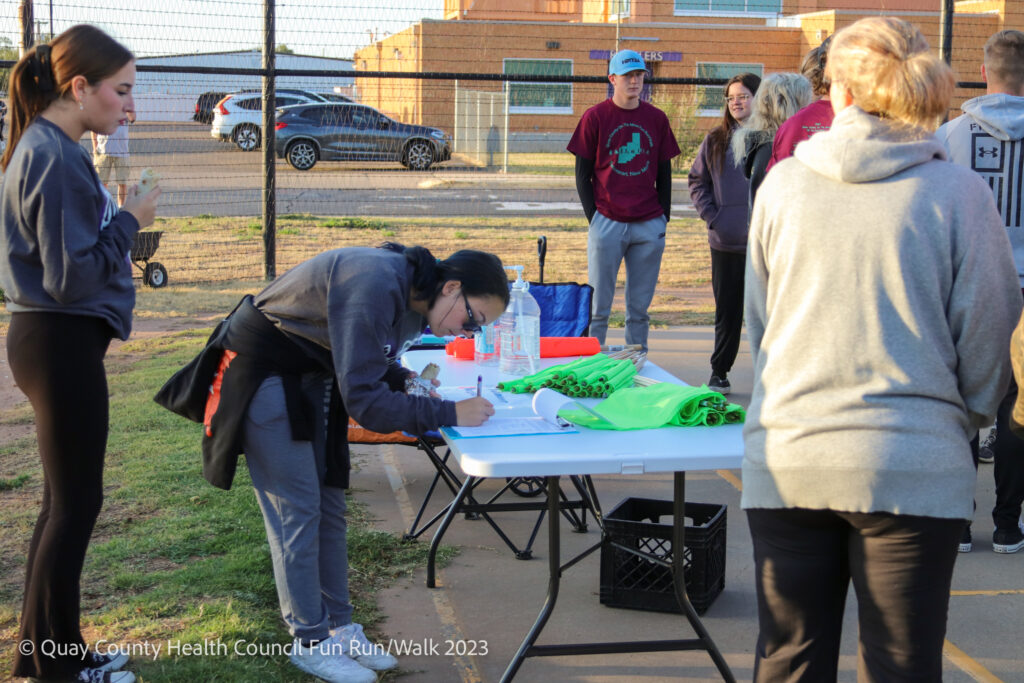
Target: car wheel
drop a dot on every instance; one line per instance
(419, 155)
(247, 138)
(302, 155)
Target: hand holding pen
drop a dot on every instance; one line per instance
(473, 412)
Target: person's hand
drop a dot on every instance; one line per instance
(473, 412)
(143, 208)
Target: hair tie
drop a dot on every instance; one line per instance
(42, 69)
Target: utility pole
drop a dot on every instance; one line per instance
(27, 22)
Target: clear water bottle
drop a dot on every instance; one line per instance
(485, 345)
(519, 326)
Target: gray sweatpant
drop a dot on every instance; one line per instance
(641, 244)
(305, 520)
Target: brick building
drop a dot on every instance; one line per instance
(680, 39)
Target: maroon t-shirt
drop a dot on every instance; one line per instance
(626, 146)
(814, 118)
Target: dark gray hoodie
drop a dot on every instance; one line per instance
(65, 245)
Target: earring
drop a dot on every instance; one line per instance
(81, 106)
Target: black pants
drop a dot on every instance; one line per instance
(901, 568)
(57, 360)
(727, 270)
(1008, 466)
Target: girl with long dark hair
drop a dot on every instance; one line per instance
(65, 273)
(719, 190)
(318, 345)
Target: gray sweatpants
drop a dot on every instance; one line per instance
(641, 244)
(305, 520)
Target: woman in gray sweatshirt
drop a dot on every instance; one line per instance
(880, 300)
(65, 274)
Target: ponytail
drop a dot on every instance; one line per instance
(480, 274)
(45, 72)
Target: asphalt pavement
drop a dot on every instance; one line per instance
(469, 627)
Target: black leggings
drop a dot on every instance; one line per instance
(727, 272)
(57, 360)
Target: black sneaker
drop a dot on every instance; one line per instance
(90, 675)
(1008, 540)
(108, 662)
(986, 451)
(965, 540)
(719, 384)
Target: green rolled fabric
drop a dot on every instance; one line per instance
(595, 376)
(658, 405)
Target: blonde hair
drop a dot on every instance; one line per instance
(778, 97)
(888, 68)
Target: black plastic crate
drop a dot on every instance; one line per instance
(637, 583)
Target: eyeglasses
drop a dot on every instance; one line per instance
(471, 325)
(737, 98)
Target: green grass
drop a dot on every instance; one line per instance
(174, 559)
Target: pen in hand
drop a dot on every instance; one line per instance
(479, 384)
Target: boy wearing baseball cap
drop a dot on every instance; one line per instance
(623, 149)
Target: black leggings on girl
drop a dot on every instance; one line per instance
(57, 360)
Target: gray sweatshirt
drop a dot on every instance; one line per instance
(988, 140)
(65, 243)
(351, 308)
(880, 298)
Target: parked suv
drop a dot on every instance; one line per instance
(307, 133)
(205, 104)
(238, 117)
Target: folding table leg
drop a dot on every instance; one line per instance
(678, 538)
(467, 486)
(554, 573)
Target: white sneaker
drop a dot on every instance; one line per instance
(324, 661)
(355, 645)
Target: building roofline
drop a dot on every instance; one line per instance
(255, 50)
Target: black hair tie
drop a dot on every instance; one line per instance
(42, 69)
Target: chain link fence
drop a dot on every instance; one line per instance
(414, 109)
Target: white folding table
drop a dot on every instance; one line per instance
(668, 449)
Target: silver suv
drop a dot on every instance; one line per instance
(238, 117)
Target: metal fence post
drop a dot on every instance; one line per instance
(504, 163)
(269, 170)
(946, 32)
(27, 20)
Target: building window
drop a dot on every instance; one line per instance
(620, 9)
(727, 7)
(711, 98)
(539, 98)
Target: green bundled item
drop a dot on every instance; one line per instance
(659, 405)
(595, 376)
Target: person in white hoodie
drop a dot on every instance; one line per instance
(880, 299)
(989, 139)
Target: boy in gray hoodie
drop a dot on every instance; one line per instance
(989, 139)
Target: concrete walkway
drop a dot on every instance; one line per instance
(470, 627)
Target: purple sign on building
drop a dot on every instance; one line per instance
(648, 55)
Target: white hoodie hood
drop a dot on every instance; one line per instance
(864, 148)
(999, 115)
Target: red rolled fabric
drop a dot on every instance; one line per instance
(550, 347)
